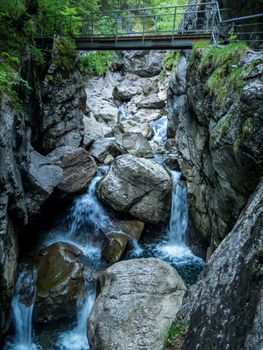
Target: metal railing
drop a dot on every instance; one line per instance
(171, 22)
(148, 21)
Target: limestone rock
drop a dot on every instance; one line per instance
(124, 92)
(78, 169)
(60, 282)
(134, 143)
(132, 126)
(143, 63)
(152, 101)
(137, 302)
(229, 293)
(94, 130)
(137, 186)
(105, 149)
(118, 236)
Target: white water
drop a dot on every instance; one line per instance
(77, 339)
(22, 309)
(84, 222)
(137, 250)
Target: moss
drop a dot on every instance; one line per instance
(171, 60)
(222, 64)
(260, 254)
(175, 334)
(65, 56)
(222, 126)
(247, 128)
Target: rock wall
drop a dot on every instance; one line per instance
(224, 309)
(29, 178)
(218, 143)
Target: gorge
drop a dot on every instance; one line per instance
(131, 202)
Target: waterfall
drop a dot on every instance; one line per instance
(179, 212)
(22, 309)
(76, 339)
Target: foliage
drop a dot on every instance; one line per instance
(247, 127)
(222, 63)
(170, 60)
(97, 62)
(65, 54)
(176, 333)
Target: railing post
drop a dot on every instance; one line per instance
(174, 22)
(92, 27)
(143, 27)
(116, 34)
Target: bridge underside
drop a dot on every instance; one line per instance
(179, 42)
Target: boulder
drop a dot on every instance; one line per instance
(78, 169)
(146, 115)
(137, 186)
(143, 63)
(60, 282)
(124, 92)
(105, 150)
(137, 302)
(134, 143)
(94, 130)
(152, 102)
(229, 294)
(118, 236)
(134, 127)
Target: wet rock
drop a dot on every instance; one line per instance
(137, 186)
(152, 101)
(209, 137)
(146, 115)
(105, 150)
(63, 104)
(143, 63)
(78, 169)
(94, 130)
(229, 291)
(132, 126)
(134, 143)
(137, 302)
(60, 282)
(118, 236)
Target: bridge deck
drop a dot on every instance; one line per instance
(130, 42)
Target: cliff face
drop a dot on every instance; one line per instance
(29, 178)
(215, 114)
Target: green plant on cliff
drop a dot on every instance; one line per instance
(97, 62)
(170, 60)
(175, 335)
(65, 54)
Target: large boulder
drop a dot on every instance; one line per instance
(152, 101)
(117, 237)
(229, 294)
(78, 166)
(134, 143)
(124, 92)
(137, 186)
(137, 302)
(105, 150)
(143, 63)
(60, 282)
(131, 125)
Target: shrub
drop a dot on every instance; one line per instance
(97, 62)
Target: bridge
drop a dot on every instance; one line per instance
(167, 27)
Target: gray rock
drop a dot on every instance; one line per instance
(105, 149)
(137, 186)
(152, 101)
(137, 302)
(63, 106)
(134, 143)
(132, 126)
(94, 130)
(143, 63)
(229, 293)
(124, 92)
(78, 169)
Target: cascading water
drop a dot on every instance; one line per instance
(22, 309)
(77, 339)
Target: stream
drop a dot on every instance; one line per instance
(81, 225)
